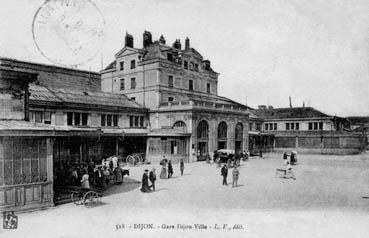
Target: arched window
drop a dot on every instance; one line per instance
(203, 130)
(179, 124)
(239, 131)
(222, 131)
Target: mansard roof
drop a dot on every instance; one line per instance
(42, 95)
(156, 50)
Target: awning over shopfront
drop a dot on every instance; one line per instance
(24, 128)
(124, 132)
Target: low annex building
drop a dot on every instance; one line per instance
(306, 129)
(46, 126)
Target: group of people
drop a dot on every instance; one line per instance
(89, 174)
(235, 175)
(166, 172)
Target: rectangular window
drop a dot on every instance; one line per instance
(292, 126)
(185, 64)
(170, 56)
(133, 98)
(77, 119)
(47, 118)
(136, 121)
(84, 119)
(250, 126)
(103, 119)
(121, 65)
(170, 99)
(133, 64)
(142, 121)
(133, 83)
(131, 121)
(208, 87)
(108, 120)
(191, 66)
(122, 84)
(310, 126)
(70, 118)
(275, 126)
(258, 126)
(190, 85)
(196, 67)
(320, 125)
(38, 117)
(287, 126)
(170, 81)
(115, 120)
(315, 125)
(266, 126)
(297, 126)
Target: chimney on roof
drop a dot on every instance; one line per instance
(162, 40)
(177, 44)
(303, 104)
(262, 107)
(147, 38)
(128, 41)
(290, 102)
(187, 43)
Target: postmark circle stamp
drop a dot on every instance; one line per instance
(68, 32)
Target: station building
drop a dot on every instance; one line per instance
(180, 89)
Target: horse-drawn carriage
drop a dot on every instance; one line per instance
(225, 155)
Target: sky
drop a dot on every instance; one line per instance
(315, 51)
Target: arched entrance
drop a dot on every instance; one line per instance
(222, 135)
(238, 140)
(202, 139)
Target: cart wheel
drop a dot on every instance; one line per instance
(76, 199)
(90, 199)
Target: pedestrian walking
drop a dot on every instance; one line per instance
(170, 169)
(235, 174)
(285, 158)
(261, 154)
(118, 175)
(145, 182)
(224, 173)
(181, 166)
(152, 178)
(163, 172)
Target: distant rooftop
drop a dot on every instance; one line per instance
(285, 113)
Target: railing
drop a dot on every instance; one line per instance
(201, 104)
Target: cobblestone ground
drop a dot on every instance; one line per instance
(329, 198)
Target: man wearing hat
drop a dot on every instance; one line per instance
(145, 182)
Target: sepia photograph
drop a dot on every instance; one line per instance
(184, 118)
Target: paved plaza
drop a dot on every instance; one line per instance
(329, 198)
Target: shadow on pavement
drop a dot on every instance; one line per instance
(128, 185)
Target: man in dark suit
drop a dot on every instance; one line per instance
(152, 177)
(145, 182)
(224, 173)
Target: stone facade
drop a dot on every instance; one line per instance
(178, 86)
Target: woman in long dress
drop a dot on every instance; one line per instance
(84, 182)
(163, 173)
